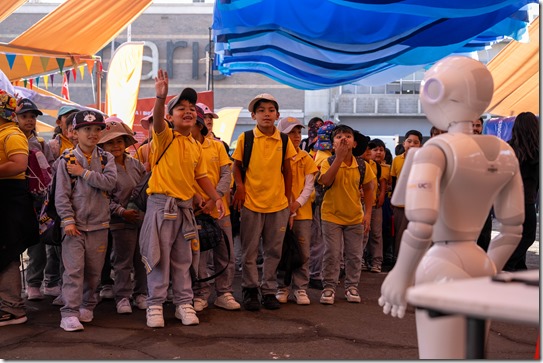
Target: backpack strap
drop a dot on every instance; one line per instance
(378, 172)
(248, 147)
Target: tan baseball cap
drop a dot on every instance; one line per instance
(262, 96)
(286, 124)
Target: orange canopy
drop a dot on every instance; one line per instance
(516, 76)
(9, 6)
(69, 35)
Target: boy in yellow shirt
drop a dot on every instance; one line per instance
(169, 233)
(413, 138)
(303, 179)
(342, 215)
(264, 199)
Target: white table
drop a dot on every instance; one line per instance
(479, 299)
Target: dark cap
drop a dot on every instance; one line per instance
(29, 106)
(200, 119)
(88, 118)
(188, 94)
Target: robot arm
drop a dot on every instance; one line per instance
(421, 206)
(509, 211)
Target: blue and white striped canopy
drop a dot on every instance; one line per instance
(316, 44)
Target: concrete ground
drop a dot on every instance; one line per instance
(340, 331)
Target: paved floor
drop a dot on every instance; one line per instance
(341, 331)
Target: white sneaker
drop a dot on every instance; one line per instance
(52, 291)
(85, 315)
(107, 292)
(327, 296)
(58, 301)
(155, 319)
(186, 314)
(226, 301)
(34, 293)
(282, 295)
(141, 302)
(71, 323)
(200, 304)
(301, 297)
(352, 295)
(123, 306)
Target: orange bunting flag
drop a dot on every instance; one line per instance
(90, 66)
(65, 92)
(28, 61)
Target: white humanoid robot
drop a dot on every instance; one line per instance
(448, 186)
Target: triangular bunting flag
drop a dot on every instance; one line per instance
(90, 66)
(82, 72)
(31, 81)
(25, 82)
(74, 74)
(60, 62)
(11, 59)
(28, 61)
(52, 80)
(46, 81)
(67, 74)
(16, 83)
(37, 80)
(44, 62)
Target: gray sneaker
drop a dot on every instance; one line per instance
(186, 314)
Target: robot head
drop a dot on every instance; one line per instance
(456, 88)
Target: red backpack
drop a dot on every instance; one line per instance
(38, 173)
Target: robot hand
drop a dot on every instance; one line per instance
(393, 292)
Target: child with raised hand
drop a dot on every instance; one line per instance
(84, 177)
(303, 178)
(264, 198)
(342, 214)
(125, 222)
(169, 231)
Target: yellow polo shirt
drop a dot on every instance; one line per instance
(215, 157)
(178, 168)
(385, 174)
(341, 204)
(302, 164)
(65, 143)
(373, 167)
(397, 165)
(322, 155)
(264, 183)
(12, 141)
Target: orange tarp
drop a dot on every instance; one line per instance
(69, 35)
(516, 76)
(7, 7)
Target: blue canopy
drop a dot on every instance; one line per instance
(310, 44)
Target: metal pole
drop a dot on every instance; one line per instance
(98, 87)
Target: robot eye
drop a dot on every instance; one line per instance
(433, 90)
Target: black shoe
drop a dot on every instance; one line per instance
(315, 284)
(250, 299)
(270, 302)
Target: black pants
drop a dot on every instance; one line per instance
(517, 261)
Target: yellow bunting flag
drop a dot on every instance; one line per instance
(46, 81)
(28, 61)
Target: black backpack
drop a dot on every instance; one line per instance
(321, 189)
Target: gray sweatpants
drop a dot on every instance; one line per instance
(219, 255)
(272, 227)
(352, 243)
(125, 245)
(373, 241)
(316, 246)
(10, 290)
(83, 257)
